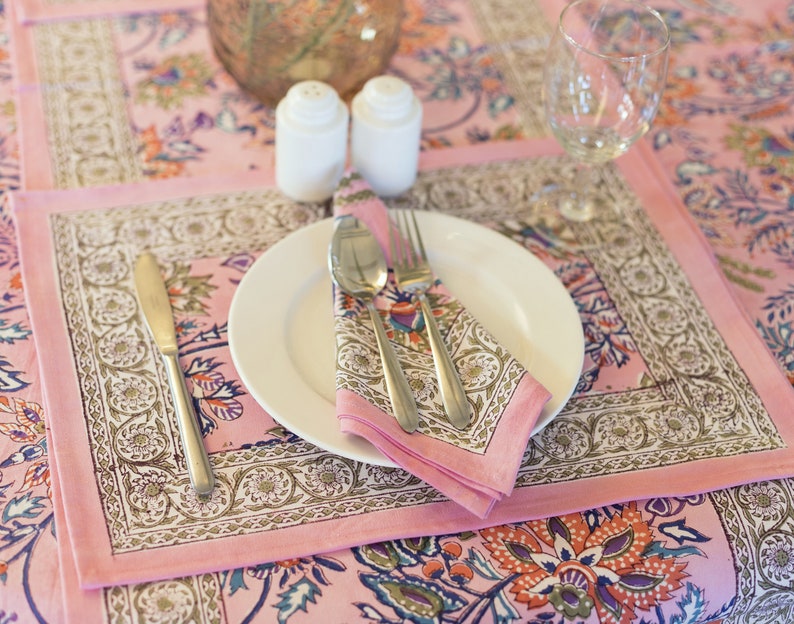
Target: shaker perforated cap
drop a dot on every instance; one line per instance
(388, 98)
(312, 103)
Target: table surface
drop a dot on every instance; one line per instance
(723, 137)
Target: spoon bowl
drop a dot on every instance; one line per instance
(356, 261)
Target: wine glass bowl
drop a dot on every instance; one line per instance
(603, 79)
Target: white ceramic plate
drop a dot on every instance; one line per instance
(281, 322)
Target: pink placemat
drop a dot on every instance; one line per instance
(709, 412)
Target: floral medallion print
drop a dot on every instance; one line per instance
(270, 487)
(169, 602)
(141, 442)
(577, 568)
(612, 565)
(329, 477)
(121, 348)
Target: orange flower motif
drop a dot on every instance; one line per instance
(417, 33)
(288, 563)
(16, 281)
(678, 89)
(565, 563)
(155, 164)
(170, 19)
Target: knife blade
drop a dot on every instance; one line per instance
(156, 306)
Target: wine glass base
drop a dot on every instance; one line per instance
(568, 202)
(548, 222)
(574, 207)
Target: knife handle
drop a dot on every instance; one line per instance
(198, 464)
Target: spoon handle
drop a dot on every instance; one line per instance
(402, 399)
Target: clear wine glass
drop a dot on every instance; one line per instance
(603, 78)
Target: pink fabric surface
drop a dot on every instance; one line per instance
(29, 11)
(474, 480)
(97, 565)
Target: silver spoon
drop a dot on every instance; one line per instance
(359, 268)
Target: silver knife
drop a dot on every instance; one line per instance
(153, 297)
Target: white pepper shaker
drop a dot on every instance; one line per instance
(311, 141)
(385, 134)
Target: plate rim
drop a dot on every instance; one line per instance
(431, 223)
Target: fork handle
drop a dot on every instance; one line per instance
(453, 396)
(402, 398)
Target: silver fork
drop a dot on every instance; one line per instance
(413, 274)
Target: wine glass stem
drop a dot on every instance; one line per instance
(581, 206)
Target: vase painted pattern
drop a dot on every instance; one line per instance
(269, 45)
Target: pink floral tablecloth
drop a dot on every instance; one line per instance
(153, 103)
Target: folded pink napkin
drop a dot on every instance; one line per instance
(475, 467)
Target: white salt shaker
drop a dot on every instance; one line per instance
(385, 133)
(311, 141)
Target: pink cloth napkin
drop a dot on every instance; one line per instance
(475, 467)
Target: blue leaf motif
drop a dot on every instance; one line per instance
(662, 139)
(27, 506)
(296, 598)
(12, 333)
(10, 379)
(237, 581)
(459, 48)
(689, 170)
(172, 37)
(331, 564)
(482, 566)
(370, 613)
(680, 532)
(503, 612)
(226, 120)
(657, 548)
(692, 606)
(500, 104)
